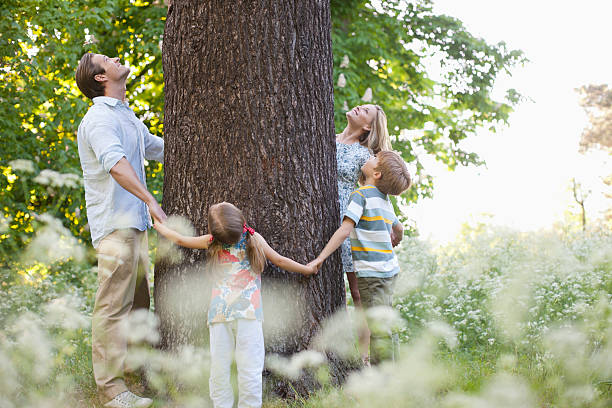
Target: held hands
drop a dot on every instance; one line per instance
(160, 227)
(312, 270)
(316, 264)
(156, 212)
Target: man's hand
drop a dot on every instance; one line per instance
(156, 212)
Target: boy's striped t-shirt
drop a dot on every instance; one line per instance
(372, 212)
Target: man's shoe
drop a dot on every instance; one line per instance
(128, 400)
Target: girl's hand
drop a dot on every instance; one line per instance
(160, 227)
(312, 269)
(315, 264)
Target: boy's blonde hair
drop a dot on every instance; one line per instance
(394, 177)
(377, 139)
(226, 224)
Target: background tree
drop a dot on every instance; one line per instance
(597, 103)
(249, 120)
(580, 196)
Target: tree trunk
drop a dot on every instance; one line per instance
(249, 120)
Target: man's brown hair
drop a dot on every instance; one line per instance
(85, 77)
(394, 177)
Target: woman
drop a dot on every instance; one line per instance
(365, 134)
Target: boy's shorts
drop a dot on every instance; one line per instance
(384, 344)
(376, 291)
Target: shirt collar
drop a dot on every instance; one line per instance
(108, 100)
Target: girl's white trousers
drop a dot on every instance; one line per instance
(245, 338)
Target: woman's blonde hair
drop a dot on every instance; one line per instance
(226, 224)
(377, 139)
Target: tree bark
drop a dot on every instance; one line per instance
(249, 120)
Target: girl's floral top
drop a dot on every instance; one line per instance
(237, 293)
(350, 158)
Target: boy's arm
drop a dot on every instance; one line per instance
(398, 233)
(284, 262)
(201, 242)
(335, 241)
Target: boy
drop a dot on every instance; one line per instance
(374, 230)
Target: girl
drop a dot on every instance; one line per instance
(236, 255)
(365, 134)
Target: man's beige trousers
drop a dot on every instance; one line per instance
(123, 264)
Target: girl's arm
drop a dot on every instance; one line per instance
(284, 262)
(335, 241)
(201, 242)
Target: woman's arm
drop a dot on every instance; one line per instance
(201, 242)
(284, 262)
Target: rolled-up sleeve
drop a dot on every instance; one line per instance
(102, 136)
(154, 147)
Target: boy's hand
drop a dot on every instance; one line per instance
(395, 239)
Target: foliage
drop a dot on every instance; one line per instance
(387, 47)
(501, 287)
(432, 77)
(544, 298)
(41, 106)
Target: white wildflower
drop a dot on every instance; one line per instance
(166, 249)
(445, 332)
(53, 243)
(65, 312)
(55, 179)
(384, 319)
(337, 334)
(341, 81)
(504, 391)
(345, 61)
(32, 348)
(292, 367)
(367, 96)
(27, 166)
(142, 327)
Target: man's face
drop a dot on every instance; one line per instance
(114, 71)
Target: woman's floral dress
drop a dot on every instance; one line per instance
(350, 158)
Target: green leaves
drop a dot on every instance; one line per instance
(426, 71)
(40, 105)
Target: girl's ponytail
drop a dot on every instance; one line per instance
(255, 252)
(226, 223)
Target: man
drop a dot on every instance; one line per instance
(113, 145)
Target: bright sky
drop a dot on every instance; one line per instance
(530, 164)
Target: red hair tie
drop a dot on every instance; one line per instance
(245, 228)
